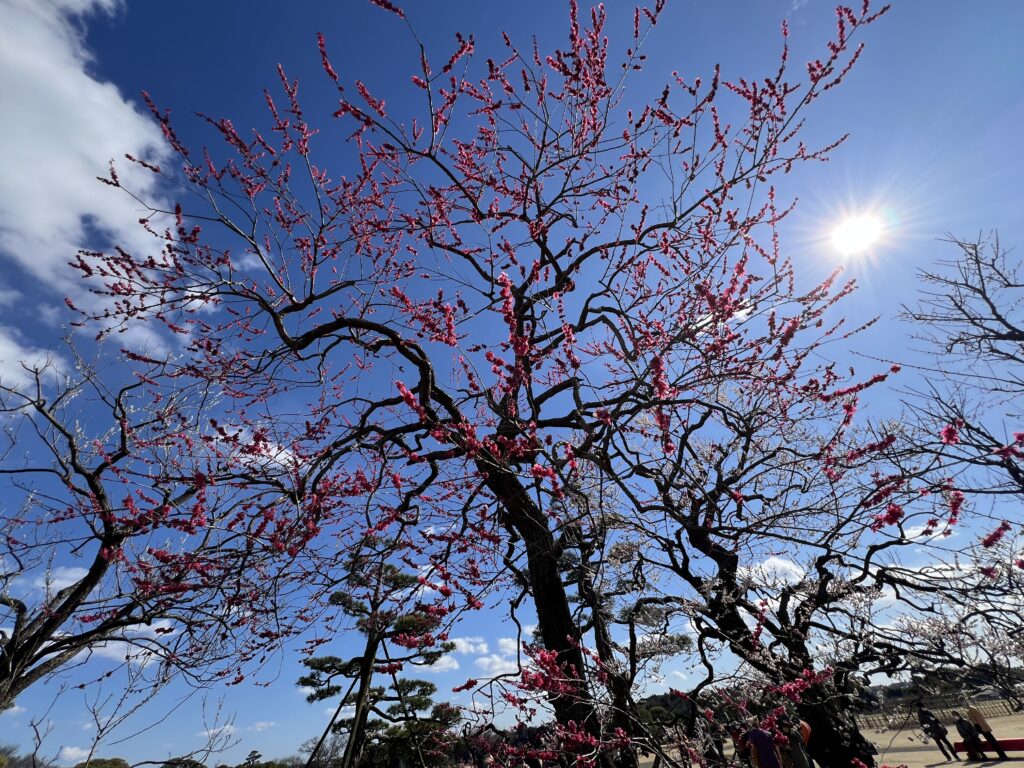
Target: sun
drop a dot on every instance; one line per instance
(857, 234)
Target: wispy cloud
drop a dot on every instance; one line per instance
(56, 579)
(19, 357)
(61, 128)
(217, 732)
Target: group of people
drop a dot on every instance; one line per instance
(758, 747)
(972, 730)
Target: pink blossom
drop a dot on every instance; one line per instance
(892, 515)
(388, 6)
(993, 538)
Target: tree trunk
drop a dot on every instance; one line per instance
(554, 616)
(835, 738)
(356, 737)
(623, 713)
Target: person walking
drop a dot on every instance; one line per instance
(792, 754)
(935, 730)
(975, 716)
(969, 733)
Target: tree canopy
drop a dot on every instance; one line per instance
(535, 349)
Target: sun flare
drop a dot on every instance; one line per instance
(857, 234)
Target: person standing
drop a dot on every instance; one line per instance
(969, 733)
(761, 746)
(716, 748)
(935, 730)
(975, 716)
(805, 736)
(792, 754)
(739, 745)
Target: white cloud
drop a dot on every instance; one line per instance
(15, 710)
(444, 664)
(937, 532)
(271, 453)
(886, 597)
(62, 126)
(73, 754)
(262, 725)
(17, 357)
(133, 645)
(217, 732)
(494, 664)
(508, 646)
(774, 570)
(57, 578)
(158, 628)
(480, 707)
(345, 714)
(470, 645)
(117, 650)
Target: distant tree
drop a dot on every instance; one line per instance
(969, 430)
(183, 762)
(974, 640)
(398, 632)
(971, 317)
(103, 762)
(12, 758)
(403, 723)
(410, 729)
(323, 754)
(667, 718)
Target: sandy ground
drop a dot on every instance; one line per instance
(906, 748)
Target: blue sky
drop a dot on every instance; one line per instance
(934, 109)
